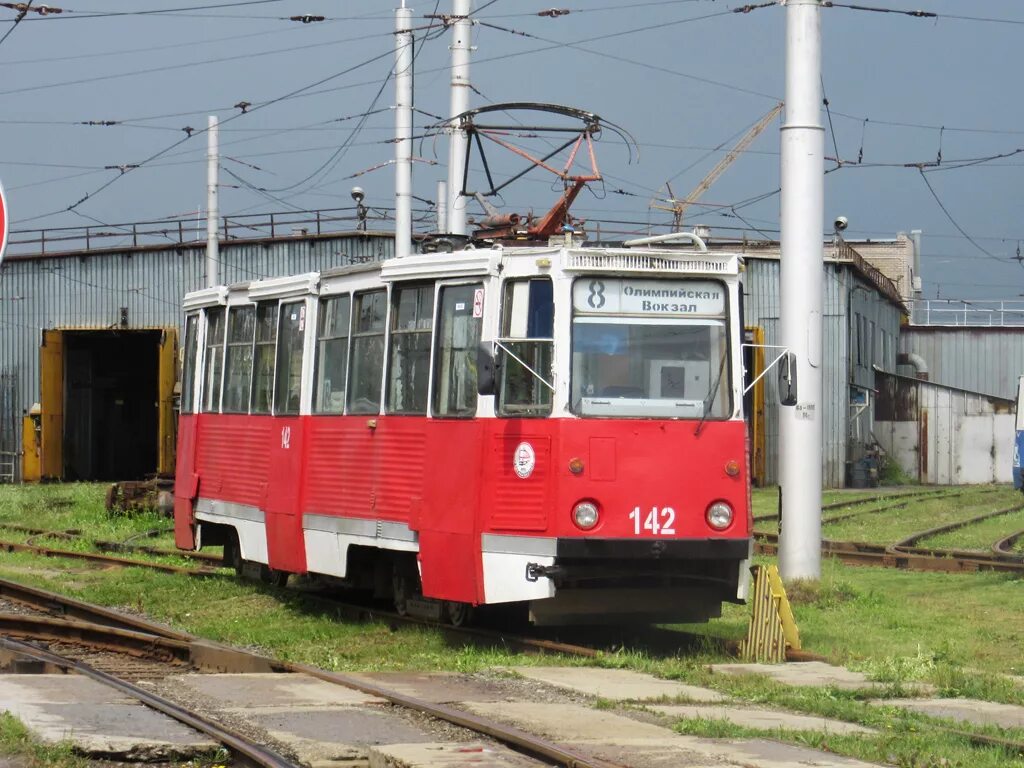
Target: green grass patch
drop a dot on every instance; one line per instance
(920, 514)
(959, 632)
(17, 743)
(980, 536)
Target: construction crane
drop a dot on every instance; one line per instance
(678, 207)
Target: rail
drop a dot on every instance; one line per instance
(190, 229)
(970, 313)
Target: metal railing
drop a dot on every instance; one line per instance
(963, 312)
(190, 230)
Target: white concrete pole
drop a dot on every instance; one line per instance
(403, 131)
(442, 206)
(802, 214)
(212, 210)
(461, 48)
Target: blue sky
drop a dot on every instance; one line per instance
(685, 77)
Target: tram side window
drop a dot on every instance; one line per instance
(367, 369)
(331, 355)
(264, 351)
(288, 386)
(214, 359)
(188, 369)
(409, 369)
(461, 315)
(238, 362)
(527, 331)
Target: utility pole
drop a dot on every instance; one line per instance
(442, 206)
(212, 214)
(462, 28)
(403, 131)
(802, 214)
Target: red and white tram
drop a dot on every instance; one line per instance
(560, 427)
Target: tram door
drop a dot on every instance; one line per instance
(285, 548)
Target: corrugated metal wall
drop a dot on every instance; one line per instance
(88, 290)
(945, 436)
(986, 360)
(847, 297)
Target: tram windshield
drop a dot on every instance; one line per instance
(656, 348)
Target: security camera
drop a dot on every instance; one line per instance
(357, 194)
(841, 223)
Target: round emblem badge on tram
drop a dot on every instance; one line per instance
(524, 460)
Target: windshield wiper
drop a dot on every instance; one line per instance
(710, 397)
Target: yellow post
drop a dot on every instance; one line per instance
(30, 446)
(51, 369)
(167, 423)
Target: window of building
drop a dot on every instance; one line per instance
(288, 385)
(214, 363)
(238, 361)
(411, 325)
(367, 369)
(525, 348)
(331, 355)
(461, 316)
(264, 351)
(188, 372)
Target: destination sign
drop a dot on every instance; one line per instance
(648, 297)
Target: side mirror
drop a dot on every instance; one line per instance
(486, 369)
(787, 379)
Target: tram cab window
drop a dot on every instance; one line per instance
(412, 319)
(460, 319)
(188, 368)
(367, 369)
(525, 348)
(650, 348)
(264, 351)
(238, 361)
(288, 374)
(331, 355)
(214, 359)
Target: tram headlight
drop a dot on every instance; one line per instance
(719, 515)
(585, 515)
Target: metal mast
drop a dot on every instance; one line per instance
(212, 214)
(802, 213)
(461, 47)
(403, 131)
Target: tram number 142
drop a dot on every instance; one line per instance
(659, 522)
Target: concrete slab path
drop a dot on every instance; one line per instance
(815, 674)
(622, 740)
(446, 755)
(617, 684)
(98, 720)
(764, 719)
(962, 710)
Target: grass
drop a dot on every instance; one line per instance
(17, 743)
(959, 632)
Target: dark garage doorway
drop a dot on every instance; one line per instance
(111, 398)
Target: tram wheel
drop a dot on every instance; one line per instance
(404, 585)
(273, 577)
(458, 614)
(233, 554)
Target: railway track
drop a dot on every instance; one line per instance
(103, 632)
(904, 554)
